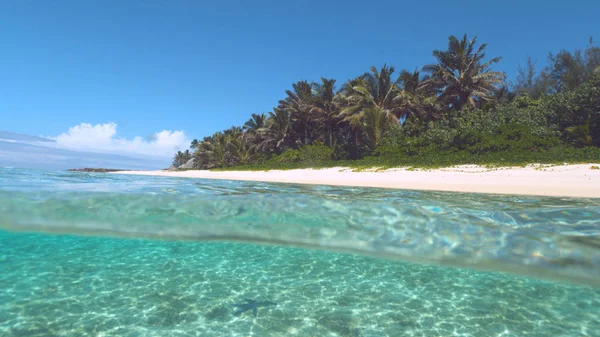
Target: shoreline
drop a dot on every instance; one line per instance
(578, 181)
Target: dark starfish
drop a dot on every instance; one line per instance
(251, 305)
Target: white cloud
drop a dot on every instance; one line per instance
(102, 138)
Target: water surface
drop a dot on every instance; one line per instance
(183, 283)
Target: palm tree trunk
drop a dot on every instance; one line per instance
(356, 142)
(306, 134)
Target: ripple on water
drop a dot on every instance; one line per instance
(81, 286)
(108, 286)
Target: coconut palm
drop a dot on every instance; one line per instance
(194, 144)
(375, 123)
(233, 132)
(212, 152)
(326, 108)
(417, 99)
(299, 103)
(255, 123)
(253, 127)
(460, 76)
(241, 149)
(277, 131)
(374, 90)
(181, 158)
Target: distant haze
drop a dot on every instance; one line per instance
(25, 151)
(5, 135)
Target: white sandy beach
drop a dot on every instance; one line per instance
(580, 180)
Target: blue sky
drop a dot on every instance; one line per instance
(142, 67)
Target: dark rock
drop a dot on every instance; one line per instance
(101, 170)
(188, 165)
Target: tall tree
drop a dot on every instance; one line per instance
(276, 134)
(241, 149)
(299, 103)
(256, 122)
(233, 131)
(417, 99)
(592, 59)
(253, 128)
(373, 90)
(212, 152)
(375, 123)
(526, 78)
(461, 76)
(571, 70)
(565, 71)
(181, 158)
(326, 108)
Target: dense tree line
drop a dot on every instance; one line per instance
(456, 108)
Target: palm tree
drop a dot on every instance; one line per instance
(375, 123)
(233, 131)
(181, 158)
(241, 149)
(276, 132)
(460, 76)
(417, 98)
(212, 152)
(374, 90)
(194, 144)
(255, 123)
(299, 103)
(326, 107)
(253, 126)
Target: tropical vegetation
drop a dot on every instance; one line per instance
(456, 110)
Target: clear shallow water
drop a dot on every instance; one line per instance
(64, 285)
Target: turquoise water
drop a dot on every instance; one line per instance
(108, 255)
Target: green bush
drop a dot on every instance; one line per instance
(316, 152)
(557, 128)
(288, 156)
(309, 155)
(576, 113)
(509, 137)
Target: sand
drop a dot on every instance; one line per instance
(582, 180)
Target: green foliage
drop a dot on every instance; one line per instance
(511, 137)
(446, 145)
(580, 134)
(316, 152)
(432, 157)
(181, 158)
(288, 156)
(461, 74)
(455, 111)
(309, 155)
(576, 113)
(565, 71)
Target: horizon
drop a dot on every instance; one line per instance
(142, 80)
